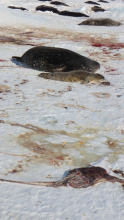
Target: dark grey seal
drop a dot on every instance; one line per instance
(103, 1)
(21, 8)
(58, 3)
(72, 14)
(53, 59)
(100, 22)
(92, 3)
(81, 76)
(47, 8)
(97, 9)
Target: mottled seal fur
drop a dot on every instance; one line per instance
(77, 178)
(53, 59)
(100, 22)
(73, 76)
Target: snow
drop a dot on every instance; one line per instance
(82, 124)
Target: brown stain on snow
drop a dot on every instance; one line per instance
(4, 88)
(74, 152)
(101, 94)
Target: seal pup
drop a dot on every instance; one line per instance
(77, 178)
(53, 59)
(100, 22)
(73, 76)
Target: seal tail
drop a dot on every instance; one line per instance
(17, 58)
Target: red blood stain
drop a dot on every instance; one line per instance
(110, 70)
(60, 158)
(2, 60)
(106, 44)
(117, 54)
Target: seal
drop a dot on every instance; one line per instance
(83, 177)
(100, 22)
(21, 8)
(47, 8)
(72, 14)
(97, 8)
(73, 76)
(92, 3)
(53, 59)
(103, 1)
(58, 3)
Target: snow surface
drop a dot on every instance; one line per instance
(82, 124)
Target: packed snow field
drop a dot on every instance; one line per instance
(49, 127)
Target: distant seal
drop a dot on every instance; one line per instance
(58, 3)
(72, 14)
(97, 9)
(92, 3)
(83, 177)
(100, 22)
(73, 76)
(21, 8)
(47, 8)
(103, 1)
(53, 59)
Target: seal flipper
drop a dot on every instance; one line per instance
(17, 58)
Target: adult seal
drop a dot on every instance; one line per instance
(100, 22)
(52, 59)
(73, 76)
